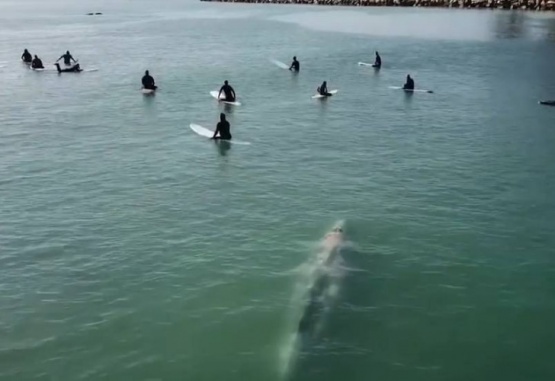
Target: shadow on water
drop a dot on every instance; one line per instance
(228, 109)
(223, 147)
(408, 97)
(510, 25)
(516, 25)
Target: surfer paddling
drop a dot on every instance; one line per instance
(295, 65)
(223, 129)
(148, 82)
(229, 93)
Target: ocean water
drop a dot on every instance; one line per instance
(133, 249)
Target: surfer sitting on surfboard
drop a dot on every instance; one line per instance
(222, 129)
(228, 92)
(27, 57)
(74, 69)
(323, 90)
(295, 65)
(67, 58)
(409, 85)
(378, 62)
(148, 82)
(37, 63)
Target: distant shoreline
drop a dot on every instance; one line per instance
(532, 5)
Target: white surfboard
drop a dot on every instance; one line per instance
(147, 91)
(320, 96)
(221, 99)
(411, 91)
(205, 132)
(366, 64)
(280, 64)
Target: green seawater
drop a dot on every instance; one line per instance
(132, 249)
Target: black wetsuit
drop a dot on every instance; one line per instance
(67, 59)
(37, 64)
(148, 83)
(27, 57)
(296, 66)
(228, 92)
(74, 69)
(324, 91)
(378, 62)
(223, 130)
(409, 85)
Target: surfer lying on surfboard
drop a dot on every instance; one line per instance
(148, 82)
(223, 129)
(228, 92)
(74, 69)
(295, 65)
(323, 90)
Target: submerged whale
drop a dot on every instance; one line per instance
(316, 295)
(324, 280)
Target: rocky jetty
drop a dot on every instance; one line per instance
(537, 5)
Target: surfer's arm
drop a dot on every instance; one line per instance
(220, 93)
(216, 131)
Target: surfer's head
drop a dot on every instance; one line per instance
(147, 73)
(36, 56)
(226, 83)
(25, 51)
(68, 53)
(295, 58)
(222, 117)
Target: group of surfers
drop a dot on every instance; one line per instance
(36, 63)
(223, 128)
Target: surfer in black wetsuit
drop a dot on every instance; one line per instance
(37, 63)
(378, 62)
(67, 58)
(148, 82)
(74, 69)
(229, 93)
(323, 90)
(27, 57)
(409, 85)
(295, 65)
(223, 129)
